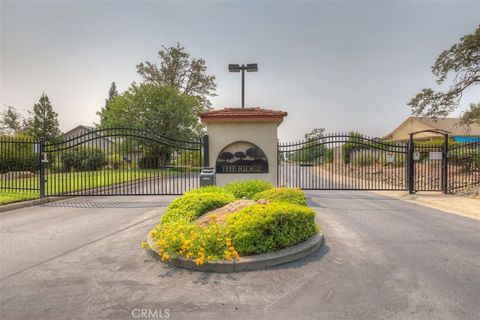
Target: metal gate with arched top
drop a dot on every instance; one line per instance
(119, 161)
(356, 162)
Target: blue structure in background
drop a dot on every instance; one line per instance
(466, 139)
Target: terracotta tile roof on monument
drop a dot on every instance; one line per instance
(243, 113)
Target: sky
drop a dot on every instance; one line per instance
(341, 66)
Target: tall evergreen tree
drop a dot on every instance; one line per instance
(44, 121)
(112, 94)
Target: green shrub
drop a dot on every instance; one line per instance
(284, 222)
(289, 195)
(156, 159)
(247, 189)
(467, 159)
(313, 152)
(209, 189)
(355, 141)
(188, 158)
(192, 205)
(83, 159)
(270, 227)
(115, 161)
(17, 154)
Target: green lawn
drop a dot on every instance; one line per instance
(58, 183)
(16, 196)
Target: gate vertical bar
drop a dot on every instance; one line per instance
(41, 143)
(206, 160)
(445, 164)
(411, 165)
(278, 161)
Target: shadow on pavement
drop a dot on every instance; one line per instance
(108, 204)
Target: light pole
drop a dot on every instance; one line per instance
(251, 67)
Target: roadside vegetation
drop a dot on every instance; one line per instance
(281, 220)
(17, 196)
(177, 79)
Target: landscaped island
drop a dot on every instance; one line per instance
(213, 224)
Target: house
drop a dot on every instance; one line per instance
(79, 134)
(452, 126)
(83, 135)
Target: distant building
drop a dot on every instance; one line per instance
(451, 125)
(90, 136)
(94, 139)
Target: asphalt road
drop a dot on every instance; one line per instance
(383, 259)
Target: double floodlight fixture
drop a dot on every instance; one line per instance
(251, 67)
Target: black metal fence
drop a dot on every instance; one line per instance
(342, 162)
(112, 161)
(125, 161)
(357, 162)
(463, 167)
(19, 164)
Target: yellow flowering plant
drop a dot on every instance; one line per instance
(186, 239)
(284, 221)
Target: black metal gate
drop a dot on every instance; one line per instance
(343, 162)
(356, 162)
(119, 161)
(463, 166)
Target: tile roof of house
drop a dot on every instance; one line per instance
(452, 125)
(243, 113)
(84, 127)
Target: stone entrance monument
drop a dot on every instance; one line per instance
(243, 143)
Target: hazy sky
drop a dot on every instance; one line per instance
(342, 66)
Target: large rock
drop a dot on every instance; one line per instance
(17, 175)
(223, 212)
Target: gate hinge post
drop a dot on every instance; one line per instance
(410, 165)
(41, 148)
(445, 164)
(206, 160)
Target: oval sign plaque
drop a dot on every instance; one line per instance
(241, 157)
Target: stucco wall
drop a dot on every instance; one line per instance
(263, 134)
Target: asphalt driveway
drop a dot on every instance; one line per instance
(383, 259)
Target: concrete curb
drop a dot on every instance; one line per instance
(28, 203)
(255, 262)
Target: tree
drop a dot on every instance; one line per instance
(225, 156)
(177, 69)
(463, 60)
(44, 121)
(471, 116)
(255, 153)
(12, 122)
(159, 109)
(315, 134)
(313, 150)
(163, 110)
(240, 155)
(112, 94)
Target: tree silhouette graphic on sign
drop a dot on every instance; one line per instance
(242, 157)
